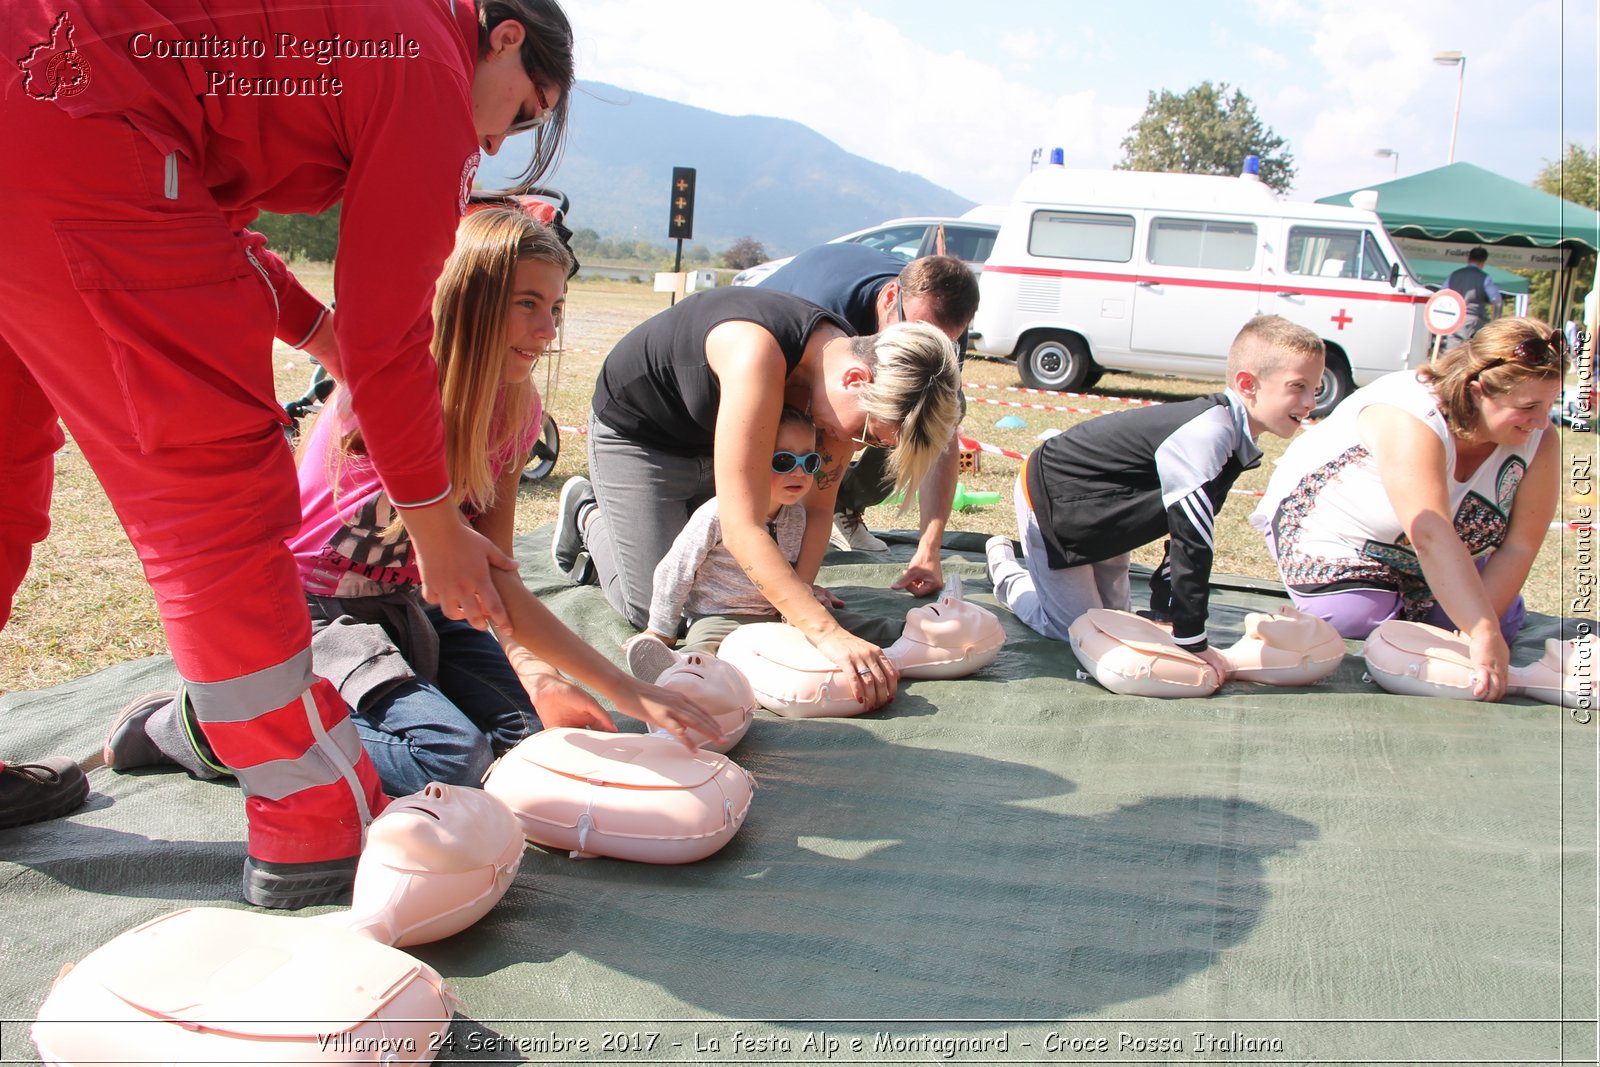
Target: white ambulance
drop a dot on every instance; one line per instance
(1155, 273)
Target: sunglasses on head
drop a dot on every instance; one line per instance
(784, 462)
(1533, 352)
(544, 115)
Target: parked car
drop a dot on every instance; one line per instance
(969, 237)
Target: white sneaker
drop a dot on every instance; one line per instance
(648, 656)
(850, 534)
(998, 550)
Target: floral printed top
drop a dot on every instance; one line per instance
(1332, 524)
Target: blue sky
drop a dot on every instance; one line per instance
(962, 92)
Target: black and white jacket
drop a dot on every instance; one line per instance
(1114, 483)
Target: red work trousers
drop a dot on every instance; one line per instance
(130, 310)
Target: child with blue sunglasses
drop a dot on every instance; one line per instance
(699, 580)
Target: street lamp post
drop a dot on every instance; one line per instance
(1390, 153)
(1459, 61)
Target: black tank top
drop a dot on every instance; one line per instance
(655, 386)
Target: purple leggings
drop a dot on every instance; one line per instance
(1355, 613)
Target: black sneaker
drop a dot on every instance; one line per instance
(566, 543)
(290, 886)
(32, 792)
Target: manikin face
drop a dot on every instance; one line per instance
(790, 487)
(1277, 401)
(538, 298)
(1513, 417)
(442, 829)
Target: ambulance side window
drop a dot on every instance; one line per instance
(1324, 253)
(1081, 235)
(1211, 243)
(1328, 253)
(1374, 264)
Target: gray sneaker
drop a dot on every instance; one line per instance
(850, 534)
(648, 656)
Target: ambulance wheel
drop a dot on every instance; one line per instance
(1336, 384)
(546, 450)
(1056, 361)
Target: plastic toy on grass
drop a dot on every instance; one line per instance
(1415, 659)
(1131, 655)
(949, 638)
(965, 498)
(220, 985)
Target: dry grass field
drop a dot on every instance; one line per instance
(85, 606)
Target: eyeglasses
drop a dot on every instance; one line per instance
(546, 113)
(866, 440)
(784, 462)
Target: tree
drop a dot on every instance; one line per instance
(745, 252)
(1572, 177)
(1205, 131)
(305, 237)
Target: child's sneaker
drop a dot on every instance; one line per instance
(998, 550)
(648, 656)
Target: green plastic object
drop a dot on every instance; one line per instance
(963, 499)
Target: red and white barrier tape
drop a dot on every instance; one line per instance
(1053, 392)
(972, 445)
(1039, 407)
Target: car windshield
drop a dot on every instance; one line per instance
(902, 241)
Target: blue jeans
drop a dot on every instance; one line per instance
(452, 730)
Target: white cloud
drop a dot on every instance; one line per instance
(1337, 78)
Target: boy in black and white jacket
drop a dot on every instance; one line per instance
(1089, 496)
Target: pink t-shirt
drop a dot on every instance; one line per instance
(340, 548)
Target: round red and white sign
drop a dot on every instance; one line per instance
(1445, 311)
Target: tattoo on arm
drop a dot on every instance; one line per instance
(750, 572)
(827, 476)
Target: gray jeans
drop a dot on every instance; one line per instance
(1050, 601)
(646, 497)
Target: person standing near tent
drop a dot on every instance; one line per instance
(137, 306)
(1474, 283)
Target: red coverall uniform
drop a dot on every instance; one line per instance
(136, 306)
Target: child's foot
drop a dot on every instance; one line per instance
(648, 656)
(998, 550)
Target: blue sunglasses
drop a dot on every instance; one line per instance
(784, 462)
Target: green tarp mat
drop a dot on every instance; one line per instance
(1015, 867)
(1464, 202)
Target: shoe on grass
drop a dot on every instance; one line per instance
(850, 534)
(45, 789)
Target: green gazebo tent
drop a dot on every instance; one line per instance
(1465, 204)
